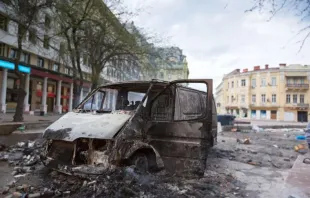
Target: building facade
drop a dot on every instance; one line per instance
(280, 93)
(49, 76)
(172, 64)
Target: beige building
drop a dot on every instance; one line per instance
(280, 93)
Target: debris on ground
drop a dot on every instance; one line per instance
(300, 137)
(233, 129)
(255, 128)
(306, 161)
(32, 179)
(301, 148)
(276, 146)
(245, 141)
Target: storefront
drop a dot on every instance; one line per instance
(9, 83)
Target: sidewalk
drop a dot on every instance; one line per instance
(298, 179)
(8, 117)
(272, 122)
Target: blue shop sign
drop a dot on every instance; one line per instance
(9, 65)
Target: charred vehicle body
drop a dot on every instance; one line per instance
(169, 126)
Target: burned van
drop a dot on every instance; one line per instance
(149, 124)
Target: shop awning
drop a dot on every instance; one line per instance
(11, 66)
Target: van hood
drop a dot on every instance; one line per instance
(86, 125)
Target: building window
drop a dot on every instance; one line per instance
(288, 98)
(253, 98)
(294, 98)
(228, 85)
(66, 70)
(232, 98)
(161, 75)
(61, 49)
(243, 98)
(85, 59)
(243, 83)
(253, 82)
(263, 98)
(47, 22)
(32, 36)
(55, 67)
(46, 42)
(4, 21)
(13, 53)
(273, 81)
(302, 98)
(263, 82)
(237, 83)
(302, 81)
(2, 49)
(227, 99)
(24, 57)
(40, 62)
(274, 98)
(232, 84)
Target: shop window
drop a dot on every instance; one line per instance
(39, 86)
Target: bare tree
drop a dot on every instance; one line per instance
(25, 14)
(300, 8)
(70, 16)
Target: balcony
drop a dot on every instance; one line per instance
(297, 86)
(302, 105)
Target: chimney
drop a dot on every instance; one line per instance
(282, 64)
(266, 66)
(245, 70)
(256, 68)
(238, 70)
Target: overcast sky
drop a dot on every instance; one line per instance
(217, 36)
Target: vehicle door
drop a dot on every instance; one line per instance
(180, 126)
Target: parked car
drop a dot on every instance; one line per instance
(171, 127)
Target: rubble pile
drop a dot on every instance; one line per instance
(32, 179)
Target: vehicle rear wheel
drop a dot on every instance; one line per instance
(140, 161)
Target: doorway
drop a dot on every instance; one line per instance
(50, 104)
(273, 115)
(302, 116)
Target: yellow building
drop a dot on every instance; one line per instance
(280, 93)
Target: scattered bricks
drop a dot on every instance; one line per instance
(246, 141)
(286, 159)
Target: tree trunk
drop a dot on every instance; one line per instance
(19, 111)
(76, 93)
(21, 93)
